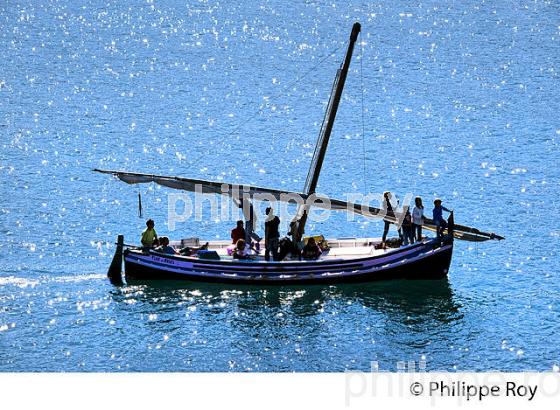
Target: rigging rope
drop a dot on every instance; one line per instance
(147, 195)
(280, 94)
(363, 127)
(272, 98)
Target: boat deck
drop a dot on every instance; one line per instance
(339, 249)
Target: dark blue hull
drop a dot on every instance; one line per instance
(426, 260)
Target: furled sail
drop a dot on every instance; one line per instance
(240, 191)
(237, 191)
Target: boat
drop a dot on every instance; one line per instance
(351, 260)
(428, 259)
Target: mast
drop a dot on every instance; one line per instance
(325, 132)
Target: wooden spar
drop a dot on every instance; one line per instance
(315, 170)
(461, 232)
(325, 133)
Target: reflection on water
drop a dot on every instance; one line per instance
(407, 297)
(181, 326)
(267, 325)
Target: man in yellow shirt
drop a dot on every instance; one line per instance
(149, 236)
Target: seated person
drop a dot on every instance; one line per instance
(253, 248)
(241, 250)
(164, 247)
(149, 235)
(190, 251)
(287, 247)
(238, 232)
(311, 251)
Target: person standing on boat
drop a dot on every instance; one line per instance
(418, 218)
(271, 234)
(149, 236)
(238, 232)
(407, 228)
(250, 221)
(389, 214)
(438, 217)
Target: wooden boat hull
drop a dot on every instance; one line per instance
(427, 260)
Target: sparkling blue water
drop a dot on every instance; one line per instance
(450, 99)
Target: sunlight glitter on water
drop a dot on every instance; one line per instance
(450, 111)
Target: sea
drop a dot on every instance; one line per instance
(449, 99)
